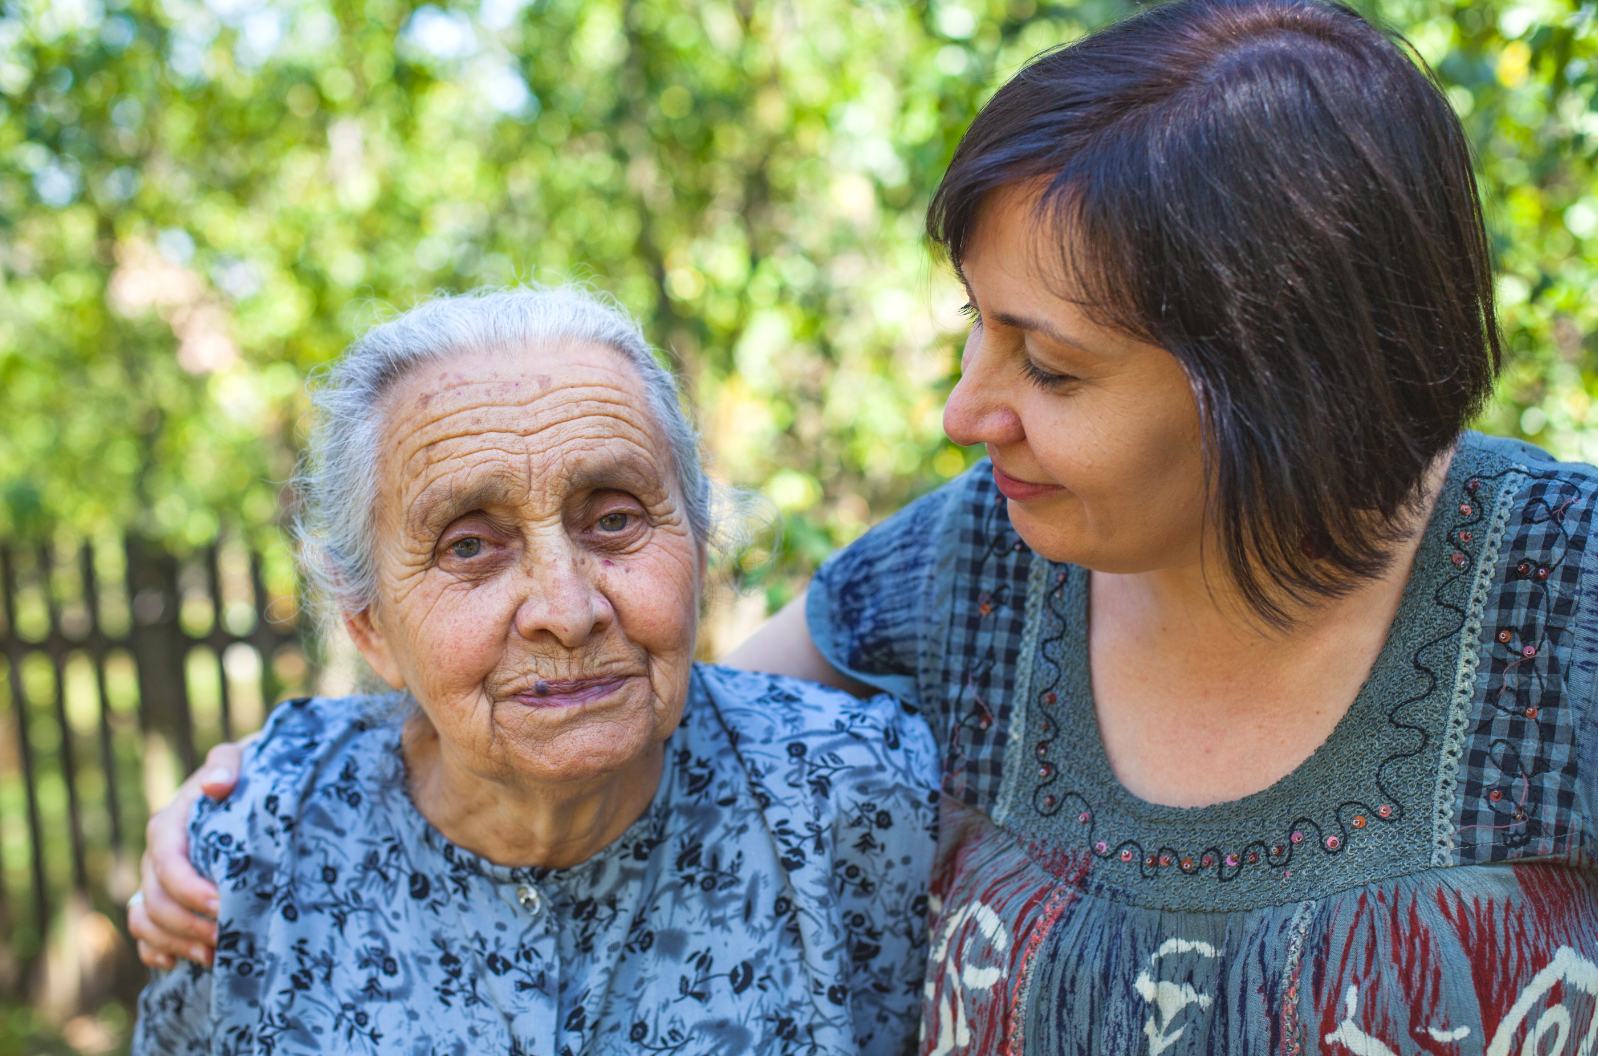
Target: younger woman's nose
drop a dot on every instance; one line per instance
(981, 407)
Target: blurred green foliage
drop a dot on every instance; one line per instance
(25, 1032)
(200, 202)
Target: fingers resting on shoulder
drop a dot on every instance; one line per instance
(174, 913)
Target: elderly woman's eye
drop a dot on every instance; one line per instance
(465, 548)
(614, 522)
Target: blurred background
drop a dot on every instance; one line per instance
(201, 201)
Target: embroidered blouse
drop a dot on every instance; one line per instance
(772, 899)
(1424, 882)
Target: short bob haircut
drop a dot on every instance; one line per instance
(1277, 193)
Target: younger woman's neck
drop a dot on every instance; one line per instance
(1201, 599)
(1187, 682)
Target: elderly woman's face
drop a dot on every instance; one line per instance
(538, 580)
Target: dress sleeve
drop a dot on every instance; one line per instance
(868, 603)
(175, 1013)
(885, 834)
(236, 844)
(846, 788)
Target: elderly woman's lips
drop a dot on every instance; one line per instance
(565, 693)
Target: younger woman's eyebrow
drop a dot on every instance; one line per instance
(1036, 326)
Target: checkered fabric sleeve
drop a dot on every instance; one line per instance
(867, 604)
(1528, 779)
(929, 607)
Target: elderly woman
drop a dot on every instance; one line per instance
(1267, 693)
(559, 835)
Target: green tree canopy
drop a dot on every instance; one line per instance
(201, 202)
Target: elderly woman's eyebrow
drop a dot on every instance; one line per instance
(615, 472)
(443, 502)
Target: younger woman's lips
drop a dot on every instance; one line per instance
(568, 693)
(1023, 490)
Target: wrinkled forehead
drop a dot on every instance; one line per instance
(543, 419)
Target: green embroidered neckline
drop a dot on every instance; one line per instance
(1358, 810)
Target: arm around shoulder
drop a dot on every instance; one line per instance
(783, 646)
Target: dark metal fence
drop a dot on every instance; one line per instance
(122, 664)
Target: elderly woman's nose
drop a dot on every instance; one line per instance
(563, 603)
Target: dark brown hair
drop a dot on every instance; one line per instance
(1277, 193)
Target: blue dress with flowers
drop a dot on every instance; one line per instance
(772, 898)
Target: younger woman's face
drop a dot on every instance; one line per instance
(1094, 436)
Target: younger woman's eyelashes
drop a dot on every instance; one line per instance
(1037, 375)
(1043, 379)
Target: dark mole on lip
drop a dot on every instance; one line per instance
(541, 689)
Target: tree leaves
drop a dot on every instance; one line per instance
(202, 202)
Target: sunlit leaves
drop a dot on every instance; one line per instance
(749, 177)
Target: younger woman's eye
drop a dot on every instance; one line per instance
(1042, 378)
(970, 311)
(614, 522)
(466, 548)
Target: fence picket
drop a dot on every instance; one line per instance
(159, 646)
(56, 647)
(99, 645)
(15, 650)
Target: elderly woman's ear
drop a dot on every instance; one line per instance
(373, 647)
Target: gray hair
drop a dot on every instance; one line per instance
(337, 481)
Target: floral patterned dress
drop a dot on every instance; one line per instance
(1424, 882)
(772, 899)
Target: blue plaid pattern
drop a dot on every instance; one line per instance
(983, 645)
(952, 564)
(1520, 770)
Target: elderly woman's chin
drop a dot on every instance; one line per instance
(551, 734)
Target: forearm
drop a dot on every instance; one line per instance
(784, 647)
